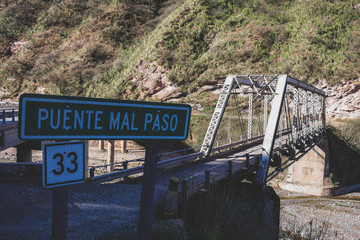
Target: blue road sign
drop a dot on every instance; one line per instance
(64, 163)
(63, 117)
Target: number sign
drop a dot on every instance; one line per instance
(64, 163)
(62, 117)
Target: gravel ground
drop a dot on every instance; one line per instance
(94, 210)
(100, 210)
(335, 217)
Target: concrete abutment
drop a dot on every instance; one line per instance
(24, 152)
(310, 174)
(239, 210)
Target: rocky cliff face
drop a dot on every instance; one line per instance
(343, 100)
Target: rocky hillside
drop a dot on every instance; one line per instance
(343, 100)
(67, 46)
(142, 49)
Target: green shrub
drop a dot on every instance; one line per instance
(349, 130)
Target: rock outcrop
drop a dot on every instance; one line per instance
(343, 100)
(152, 79)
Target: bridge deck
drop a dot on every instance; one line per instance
(216, 165)
(219, 168)
(9, 135)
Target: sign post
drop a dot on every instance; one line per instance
(148, 189)
(48, 117)
(64, 163)
(60, 200)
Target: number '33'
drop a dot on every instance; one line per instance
(60, 159)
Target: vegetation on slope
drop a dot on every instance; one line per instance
(114, 48)
(349, 130)
(68, 46)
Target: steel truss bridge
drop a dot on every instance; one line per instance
(269, 114)
(290, 108)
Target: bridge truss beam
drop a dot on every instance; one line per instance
(301, 105)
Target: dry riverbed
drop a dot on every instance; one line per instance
(321, 217)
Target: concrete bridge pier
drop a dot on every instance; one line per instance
(24, 153)
(24, 150)
(310, 174)
(240, 210)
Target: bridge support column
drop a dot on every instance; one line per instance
(123, 144)
(310, 174)
(24, 153)
(101, 145)
(111, 155)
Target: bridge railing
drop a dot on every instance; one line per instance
(202, 181)
(9, 112)
(101, 173)
(164, 160)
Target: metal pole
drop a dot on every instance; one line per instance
(323, 115)
(281, 128)
(247, 161)
(123, 146)
(184, 196)
(230, 163)
(295, 115)
(266, 104)
(287, 113)
(4, 117)
(60, 199)
(60, 207)
(207, 180)
(147, 190)
(304, 118)
(229, 127)
(317, 113)
(312, 103)
(111, 155)
(250, 118)
(92, 172)
(101, 145)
